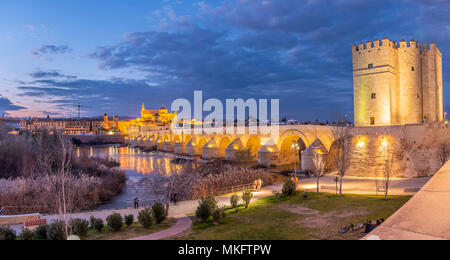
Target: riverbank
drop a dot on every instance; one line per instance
(185, 208)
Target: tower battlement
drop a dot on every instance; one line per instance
(397, 83)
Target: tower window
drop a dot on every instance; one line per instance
(370, 66)
(372, 121)
(412, 68)
(374, 95)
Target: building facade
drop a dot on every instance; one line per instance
(150, 119)
(397, 83)
(64, 126)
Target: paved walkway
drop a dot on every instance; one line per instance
(183, 224)
(425, 217)
(352, 185)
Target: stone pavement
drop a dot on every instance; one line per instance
(425, 217)
(352, 185)
(182, 225)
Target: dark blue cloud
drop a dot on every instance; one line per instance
(50, 74)
(6, 105)
(45, 50)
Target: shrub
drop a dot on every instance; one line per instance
(26, 235)
(247, 197)
(145, 217)
(6, 233)
(41, 232)
(289, 188)
(159, 212)
(115, 222)
(80, 227)
(234, 201)
(206, 207)
(97, 224)
(56, 231)
(129, 219)
(218, 214)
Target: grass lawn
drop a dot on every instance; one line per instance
(134, 230)
(317, 217)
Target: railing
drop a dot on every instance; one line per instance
(234, 189)
(2, 210)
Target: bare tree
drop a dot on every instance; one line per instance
(342, 151)
(386, 155)
(320, 164)
(64, 159)
(443, 153)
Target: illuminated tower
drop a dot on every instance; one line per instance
(396, 83)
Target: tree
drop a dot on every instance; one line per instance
(386, 155)
(342, 151)
(63, 155)
(444, 153)
(320, 164)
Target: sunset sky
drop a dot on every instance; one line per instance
(112, 55)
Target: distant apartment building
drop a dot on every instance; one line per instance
(64, 126)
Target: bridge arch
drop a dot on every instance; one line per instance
(287, 140)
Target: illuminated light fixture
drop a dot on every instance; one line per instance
(360, 144)
(270, 149)
(236, 148)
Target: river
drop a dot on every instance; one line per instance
(139, 167)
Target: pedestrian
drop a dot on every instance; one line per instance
(260, 182)
(136, 203)
(255, 185)
(175, 200)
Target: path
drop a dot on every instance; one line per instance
(183, 224)
(425, 216)
(352, 185)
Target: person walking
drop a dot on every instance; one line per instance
(136, 203)
(260, 182)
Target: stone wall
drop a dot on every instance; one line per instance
(417, 149)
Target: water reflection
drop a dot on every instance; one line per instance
(139, 167)
(134, 161)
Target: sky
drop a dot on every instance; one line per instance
(112, 55)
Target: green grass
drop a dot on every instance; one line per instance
(135, 230)
(286, 219)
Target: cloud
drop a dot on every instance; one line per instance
(6, 105)
(46, 50)
(117, 95)
(50, 74)
(295, 50)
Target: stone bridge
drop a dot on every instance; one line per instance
(291, 143)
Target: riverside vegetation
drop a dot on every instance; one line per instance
(34, 167)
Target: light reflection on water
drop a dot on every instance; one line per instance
(138, 166)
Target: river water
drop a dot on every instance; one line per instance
(141, 170)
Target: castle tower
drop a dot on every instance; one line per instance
(376, 86)
(432, 83)
(396, 83)
(410, 78)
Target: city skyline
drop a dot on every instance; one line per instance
(112, 56)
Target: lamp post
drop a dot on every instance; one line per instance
(295, 147)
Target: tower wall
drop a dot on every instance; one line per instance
(397, 83)
(432, 84)
(410, 79)
(375, 79)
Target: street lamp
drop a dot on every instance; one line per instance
(296, 148)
